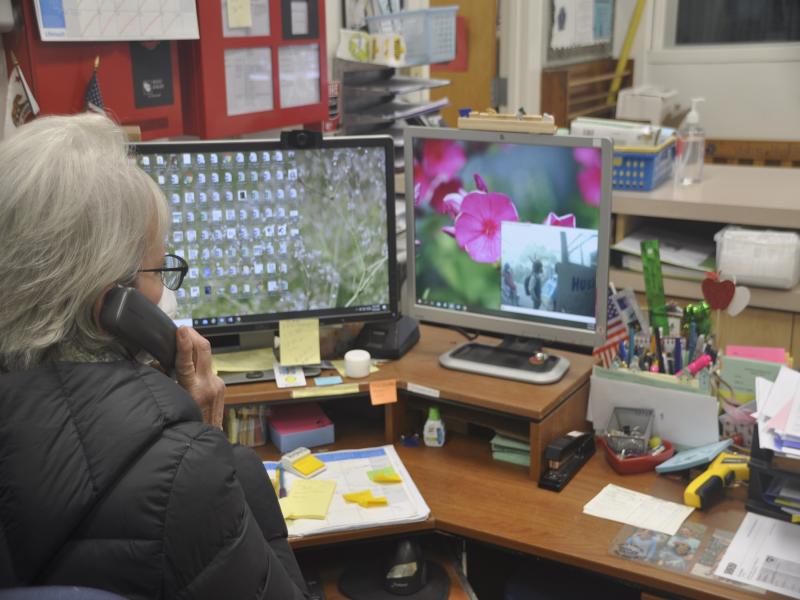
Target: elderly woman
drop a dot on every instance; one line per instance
(109, 476)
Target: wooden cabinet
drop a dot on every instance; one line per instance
(581, 89)
(762, 197)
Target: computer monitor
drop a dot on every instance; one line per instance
(272, 231)
(508, 234)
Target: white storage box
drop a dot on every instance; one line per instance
(759, 257)
(647, 103)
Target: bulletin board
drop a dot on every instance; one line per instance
(138, 81)
(578, 30)
(259, 64)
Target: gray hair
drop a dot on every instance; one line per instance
(76, 215)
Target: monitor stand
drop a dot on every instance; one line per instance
(515, 358)
(252, 340)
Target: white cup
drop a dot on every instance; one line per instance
(356, 363)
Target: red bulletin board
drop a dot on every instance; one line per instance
(205, 102)
(58, 73)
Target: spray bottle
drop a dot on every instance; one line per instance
(691, 148)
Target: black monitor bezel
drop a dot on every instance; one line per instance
(327, 316)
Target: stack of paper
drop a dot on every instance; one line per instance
(640, 510)
(778, 412)
(785, 494)
(681, 255)
(510, 450)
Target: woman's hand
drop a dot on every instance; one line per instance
(195, 373)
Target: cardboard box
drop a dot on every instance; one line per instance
(647, 104)
(299, 425)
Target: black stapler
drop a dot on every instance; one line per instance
(564, 457)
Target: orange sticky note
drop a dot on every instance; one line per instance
(383, 392)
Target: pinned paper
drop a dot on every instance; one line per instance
(299, 341)
(339, 366)
(308, 499)
(385, 475)
(239, 14)
(365, 499)
(383, 392)
(260, 359)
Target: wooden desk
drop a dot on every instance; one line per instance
(475, 497)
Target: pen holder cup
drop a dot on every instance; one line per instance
(629, 430)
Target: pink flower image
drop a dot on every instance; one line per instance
(477, 226)
(589, 180)
(567, 220)
(441, 161)
(442, 191)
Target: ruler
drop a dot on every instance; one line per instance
(654, 285)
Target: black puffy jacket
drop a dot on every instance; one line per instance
(109, 479)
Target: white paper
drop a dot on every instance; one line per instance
(248, 80)
(764, 553)
(121, 20)
(300, 17)
(674, 248)
(298, 68)
(686, 419)
(766, 440)
(349, 469)
(640, 510)
(259, 11)
(573, 24)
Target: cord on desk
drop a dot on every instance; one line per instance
(470, 335)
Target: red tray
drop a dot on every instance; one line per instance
(636, 464)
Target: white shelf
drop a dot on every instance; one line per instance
(785, 300)
(743, 195)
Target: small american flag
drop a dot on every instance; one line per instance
(616, 331)
(94, 101)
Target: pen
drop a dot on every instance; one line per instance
(281, 487)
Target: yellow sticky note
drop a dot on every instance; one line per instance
(260, 359)
(299, 342)
(385, 475)
(339, 366)
(239, 14)
(308, 464)
(308, 499)
(383, 392)
(328, 390)
(365, 499)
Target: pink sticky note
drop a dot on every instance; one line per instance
(769, 354)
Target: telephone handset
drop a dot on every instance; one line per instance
(128, 315)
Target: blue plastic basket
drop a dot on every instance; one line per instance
(642, 169)
(430, 34)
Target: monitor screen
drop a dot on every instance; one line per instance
(272, 233)
(509, 233)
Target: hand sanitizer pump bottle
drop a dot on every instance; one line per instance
(691, 148)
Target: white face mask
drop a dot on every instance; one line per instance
(168, 302)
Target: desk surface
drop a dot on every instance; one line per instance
(421, 366)
(756, 196)
(471, 495)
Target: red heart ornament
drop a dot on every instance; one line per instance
(718, 294)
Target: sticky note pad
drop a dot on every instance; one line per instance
(239, 14)
(260, 359)
(332, 380)
(383, 392)
(365, 499)
(299, 341)
(385, 475)
(308, 465)
(308, 499)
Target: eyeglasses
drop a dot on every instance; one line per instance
(173, 271)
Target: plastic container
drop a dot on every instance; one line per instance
(429, 34)
(433, 431)
(642, 168)
(691, 148)
(637, 423)
(759, 257)
(637, 464)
